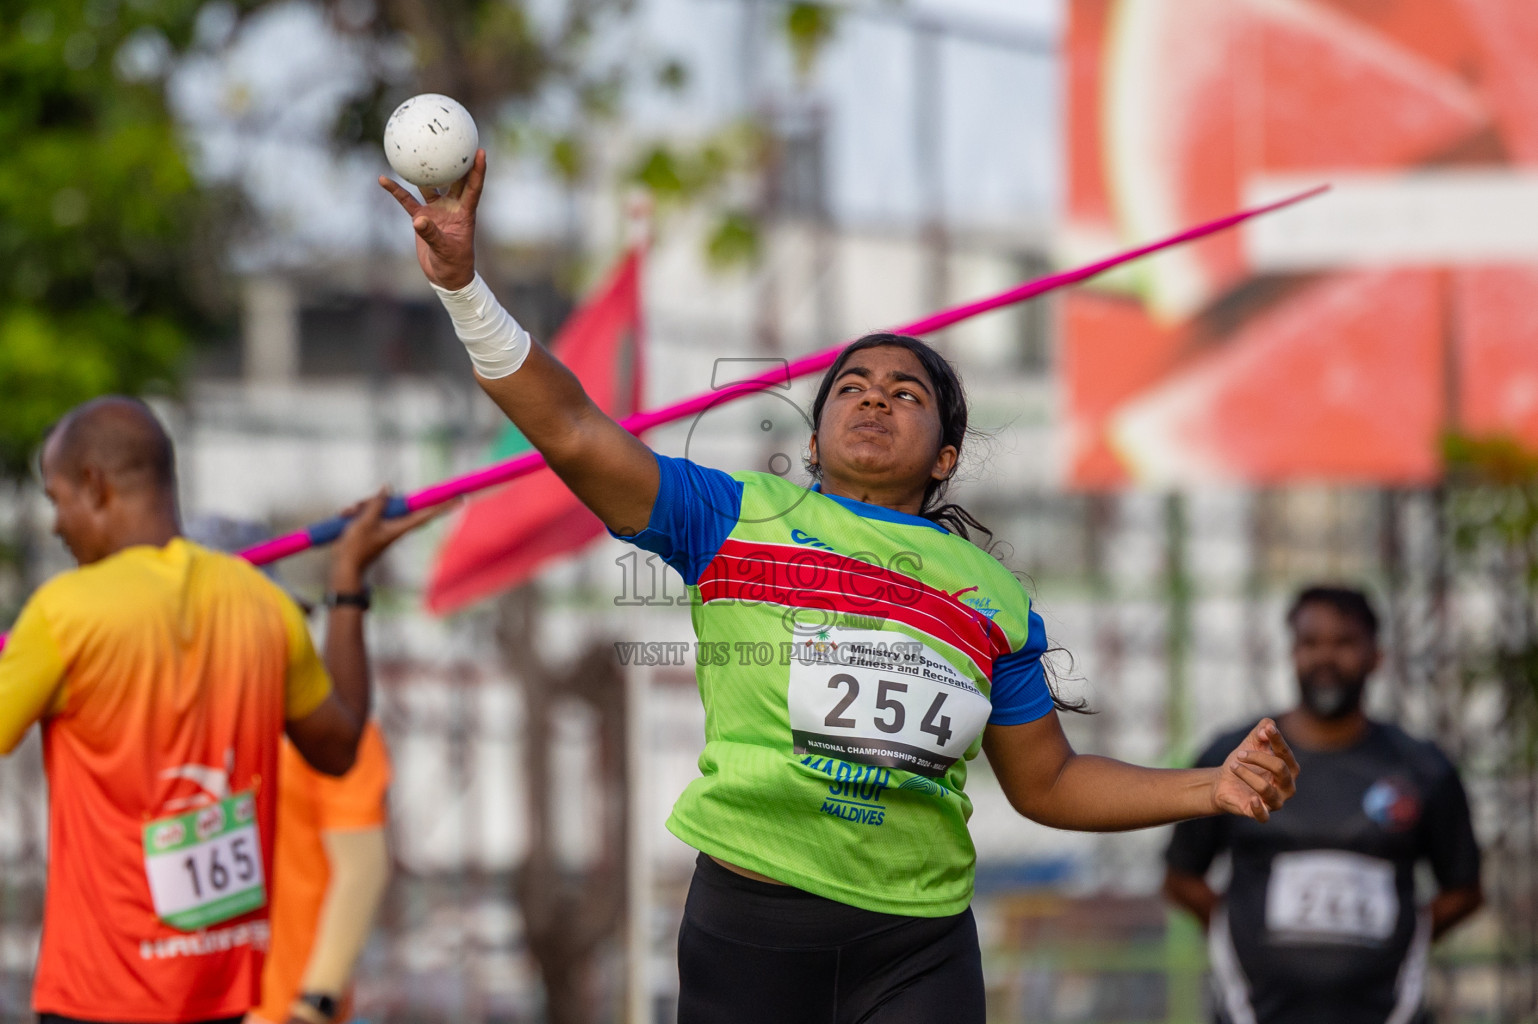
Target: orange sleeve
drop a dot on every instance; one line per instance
(355, 800)
(31, 676)
(308, 684)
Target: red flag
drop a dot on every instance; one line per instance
(504, 538)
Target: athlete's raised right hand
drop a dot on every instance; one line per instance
(604, 464)
(445, 225)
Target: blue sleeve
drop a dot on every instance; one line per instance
(1020, 692)
(696, 510)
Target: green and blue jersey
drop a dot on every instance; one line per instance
(851, 656)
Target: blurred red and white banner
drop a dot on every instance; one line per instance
(1337, 342)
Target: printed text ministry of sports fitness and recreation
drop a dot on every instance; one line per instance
(763, 653)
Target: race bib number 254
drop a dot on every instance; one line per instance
(878, 698)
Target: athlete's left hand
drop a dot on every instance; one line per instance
(1258, 777)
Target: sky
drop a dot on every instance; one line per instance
(996, 124)
(1026, 13)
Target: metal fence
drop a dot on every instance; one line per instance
(1156, 597)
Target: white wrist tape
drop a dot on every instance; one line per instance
(497, 345)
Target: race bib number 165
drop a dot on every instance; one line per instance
(872, 697)
(205, 866)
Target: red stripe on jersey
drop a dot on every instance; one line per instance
(803, 577)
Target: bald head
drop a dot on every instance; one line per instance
(121, 438)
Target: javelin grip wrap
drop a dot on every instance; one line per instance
(496, 343)
(328, 530)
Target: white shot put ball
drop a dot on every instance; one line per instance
(430, 140)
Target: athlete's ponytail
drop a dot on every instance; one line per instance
(951, 400)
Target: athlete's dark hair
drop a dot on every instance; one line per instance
(950, 397)
(1350, 602)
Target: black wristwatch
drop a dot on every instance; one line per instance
(322, 1004)
(360, 599)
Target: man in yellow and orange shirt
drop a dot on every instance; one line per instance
(164, 675)
(331, 863)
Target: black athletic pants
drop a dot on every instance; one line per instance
(750, 952)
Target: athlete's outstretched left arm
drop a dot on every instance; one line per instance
(1048, 782)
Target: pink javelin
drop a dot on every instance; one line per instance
(326, 531)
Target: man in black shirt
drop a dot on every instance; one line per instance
(1319, 923)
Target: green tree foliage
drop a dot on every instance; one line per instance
(100, 217)
(109, 255)
(1492, 512)
(109, 259)
(808, 27)
(713, 172)
(495, 57)
(703, 173)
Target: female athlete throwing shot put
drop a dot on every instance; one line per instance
(857, 652)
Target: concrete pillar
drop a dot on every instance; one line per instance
(269, 331)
